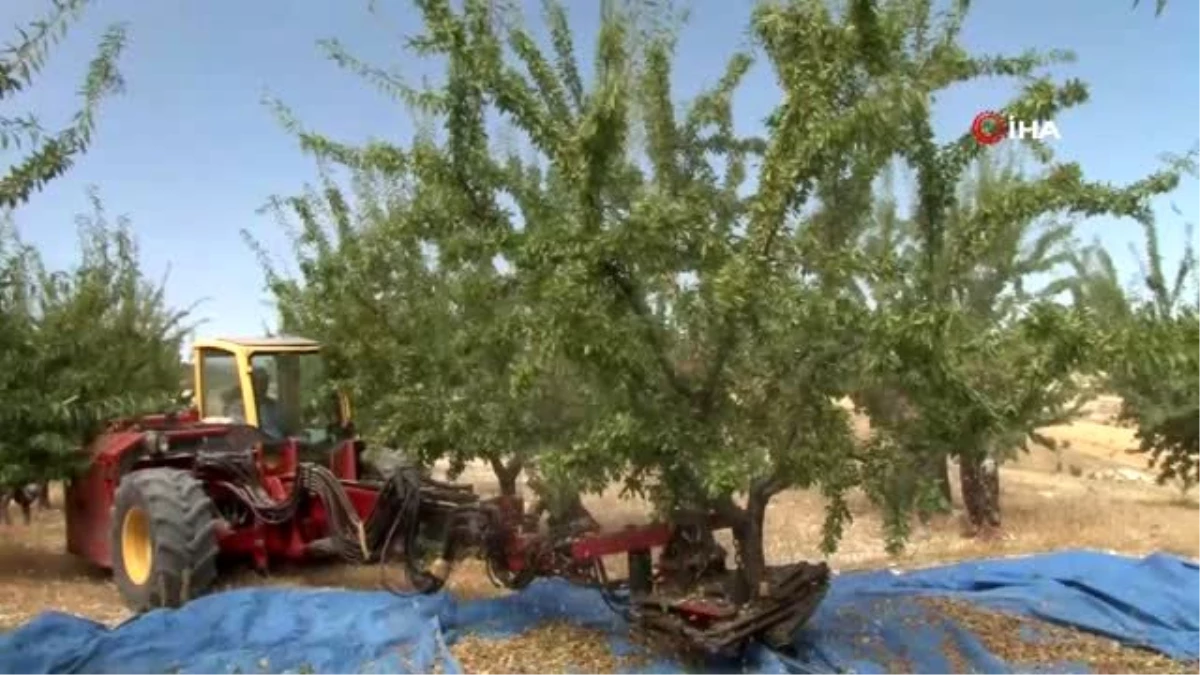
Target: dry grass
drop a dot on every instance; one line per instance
(36, 574)
(1045, 508)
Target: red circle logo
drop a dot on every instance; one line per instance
(989, 127)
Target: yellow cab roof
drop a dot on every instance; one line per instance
(259, 344)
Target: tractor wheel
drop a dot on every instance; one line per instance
(164, 544)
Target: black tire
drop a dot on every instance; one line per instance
(170, 513)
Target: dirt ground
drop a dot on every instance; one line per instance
(1089, 493)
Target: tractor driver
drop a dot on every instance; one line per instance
(268, 409)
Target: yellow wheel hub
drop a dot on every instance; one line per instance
(137, 549)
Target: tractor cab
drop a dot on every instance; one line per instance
(276, 385)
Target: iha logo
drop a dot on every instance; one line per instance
(990, 127)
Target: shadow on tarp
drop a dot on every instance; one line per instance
(863, 626)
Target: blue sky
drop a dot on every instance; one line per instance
(190, 153)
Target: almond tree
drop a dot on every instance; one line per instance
(78, 348)
(41, 155)
(1010, 358)
(1155, 379)
(979, 361)
(712, 318)
(435, 350)
(1151, 360)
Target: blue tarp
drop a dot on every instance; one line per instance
(864, 625)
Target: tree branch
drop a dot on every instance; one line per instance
(618, 274)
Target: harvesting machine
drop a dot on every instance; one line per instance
(263, 467)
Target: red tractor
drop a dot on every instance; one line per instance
(265, 466)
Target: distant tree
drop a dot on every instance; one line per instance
(979, 358)
(988, 292)
(78, 348)
(1097, 285)
(435, 350)
(1157, 383)
(186, 376)
(44, 154)
(1152, 358)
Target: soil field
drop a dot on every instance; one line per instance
(1090, 493)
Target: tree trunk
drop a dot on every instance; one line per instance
(507, 474)
(980, 480)
(508, 484)
(938, 467)
(44, 496)
(941, 468)
(748, 534)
